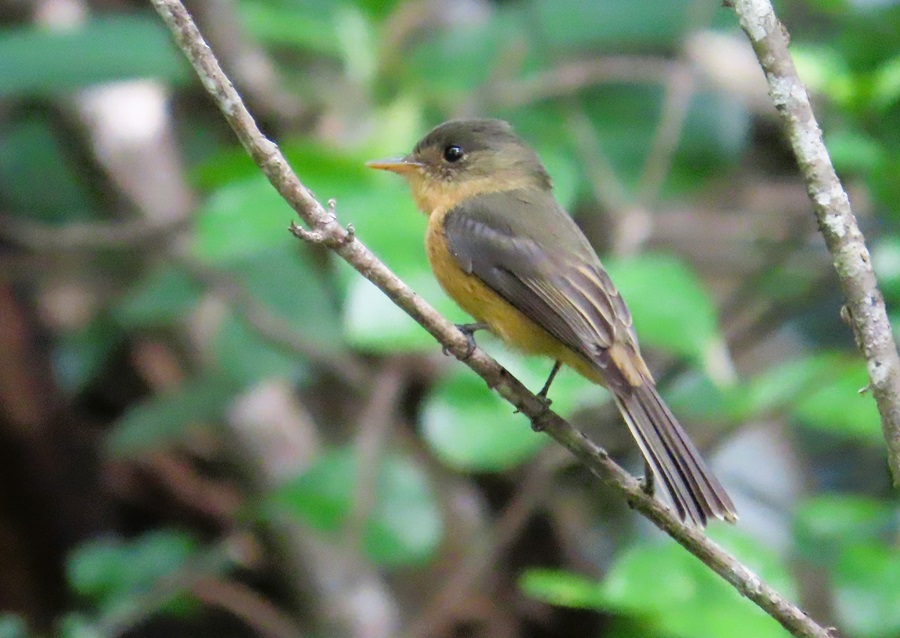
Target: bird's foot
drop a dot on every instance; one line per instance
(537, 421)
(469, 330)
(543, 393)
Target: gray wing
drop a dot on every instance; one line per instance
(545, 268)
(543, 265)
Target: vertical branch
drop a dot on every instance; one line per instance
(865, 310)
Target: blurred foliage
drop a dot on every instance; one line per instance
(95, 569)
(685, 598)
(375, 84)
(325, 495)
(39, 62)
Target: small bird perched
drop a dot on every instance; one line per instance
(503, 248)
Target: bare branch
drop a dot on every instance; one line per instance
(42, 237)
(531, 492)
(85, 236)
(845, 242)
(273, 164)
(269, 325)
(244, 603)
(375, 423)
(570, 78)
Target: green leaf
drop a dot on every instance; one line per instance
(825, 524)
(563, 171)
(162, 297)
(12, 626)
(447, 65)
(375, 323)
(404, 525)
(78, 357)
(715, 134)
(246, 357)
(886, 84)
(853, 151)
(110, 571)
(867, 580)
(837, 405)
(671, 308)
(75, 625)
(32, 156)
(783, 384)
(619, 118)
(41, 61)
(384, 217)
(245, 217)
(694, 396)
(286, 281)
(289, 287)
(671, 592)
(676, 595)
(168, 417)
(471, 428)
(821, 391)
(240, 219)
(308, 26)
(611, 25)
(886, 262)
(378, 8)
(558, 587)
(824, 70)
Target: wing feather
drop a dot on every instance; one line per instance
(541, 264)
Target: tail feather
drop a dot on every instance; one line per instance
(696, 493)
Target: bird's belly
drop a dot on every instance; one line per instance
(486, 306)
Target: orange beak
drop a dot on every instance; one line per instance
(401, 165)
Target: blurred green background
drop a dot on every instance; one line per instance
(208, 428)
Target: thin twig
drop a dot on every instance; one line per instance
(865, 304)
(83, 236)
(375, 423)
(242, 602)
(531, 492)
(270, 326)
(272, 163)
(680, 87)
(607, 187)
(43, 237)
(227, 554)
(567, 79)
(248, 63)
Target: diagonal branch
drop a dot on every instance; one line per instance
(865, 309)
(326, 230)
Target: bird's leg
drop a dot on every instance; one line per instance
(648, 482)
(543, 393)
(469, 330)
(542, 396)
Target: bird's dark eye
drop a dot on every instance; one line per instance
(453, 153)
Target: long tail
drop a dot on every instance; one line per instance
(696, 493)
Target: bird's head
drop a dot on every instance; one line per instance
(464, 158)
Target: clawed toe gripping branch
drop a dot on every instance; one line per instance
(468, 330)
(322, 227)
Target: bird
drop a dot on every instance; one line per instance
(509, 255)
